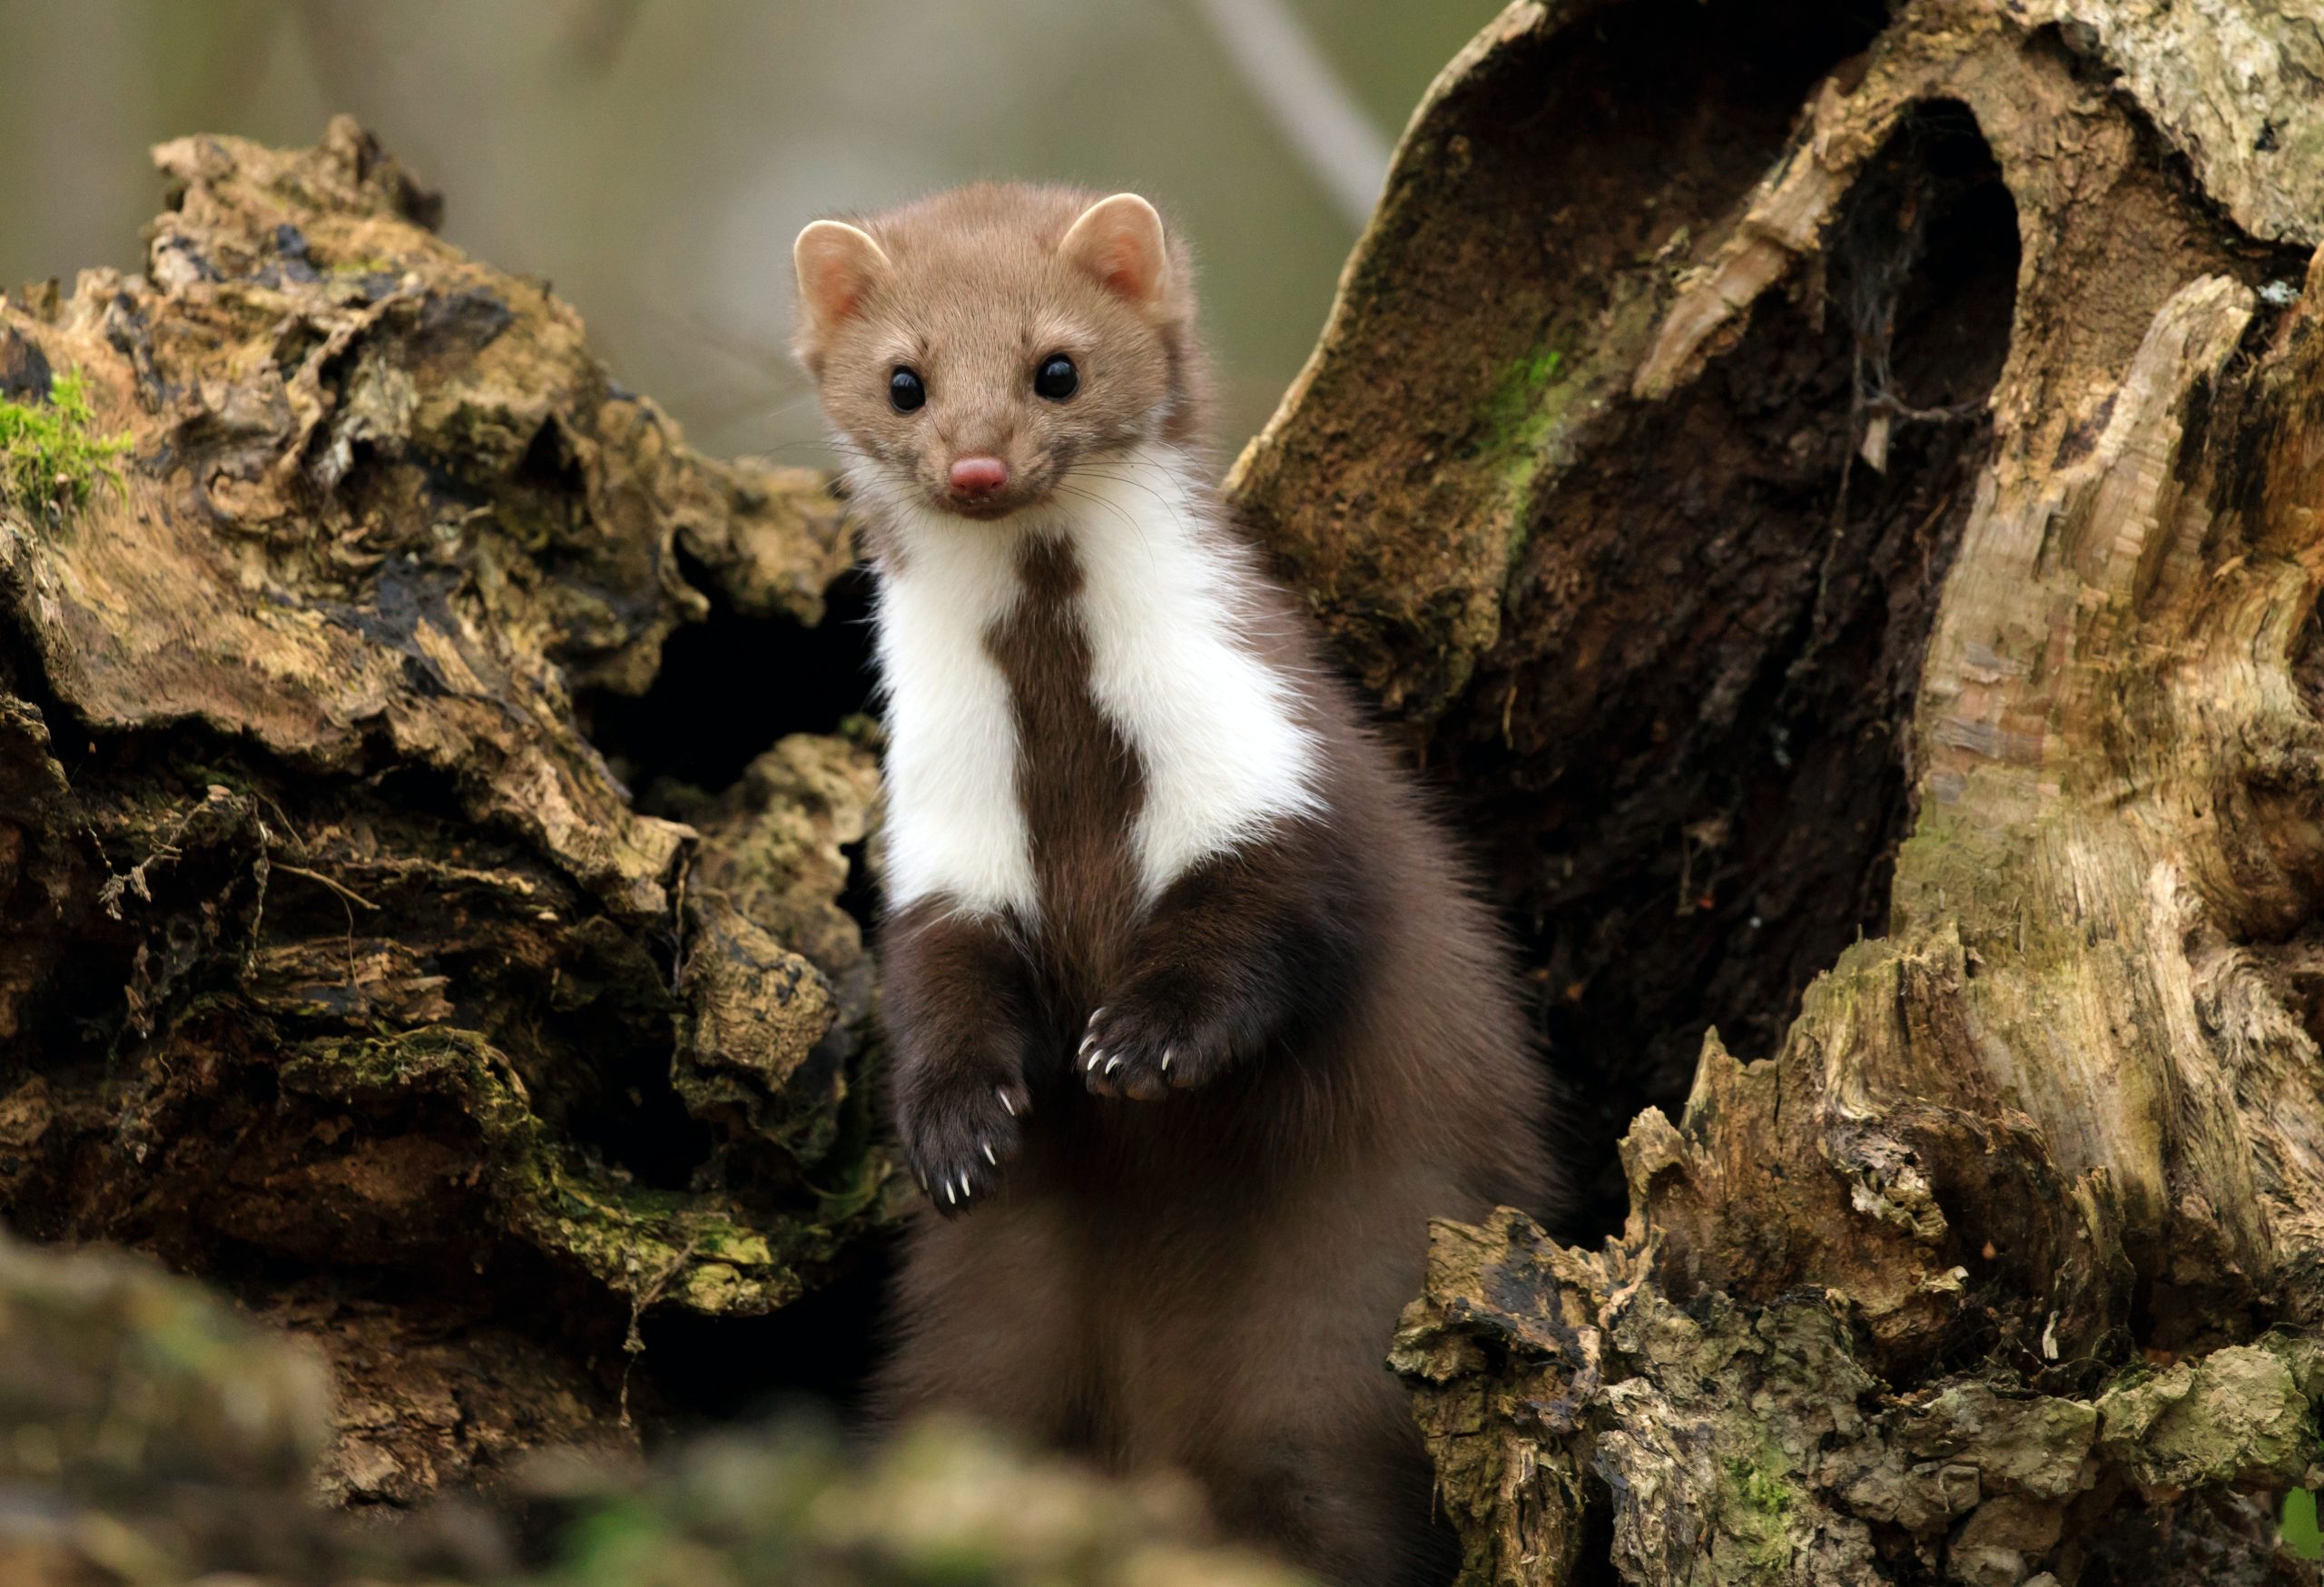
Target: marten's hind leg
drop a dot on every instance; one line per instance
(1333, 1476)
(984, 1319)
(1311, 1447)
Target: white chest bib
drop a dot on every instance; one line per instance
(1214, 726)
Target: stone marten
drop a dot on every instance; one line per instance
(1194, 1016)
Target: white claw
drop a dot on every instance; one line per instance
(1095, 1059)
(951, 1195)
(989, 1156)
(1007, 1106)
(1168, 1054)
(965, 1191)
(1113, 1063)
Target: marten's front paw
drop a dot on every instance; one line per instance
(1146, 1044)
(960, 1135)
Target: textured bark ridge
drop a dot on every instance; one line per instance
(337, 963)
(1842, 497)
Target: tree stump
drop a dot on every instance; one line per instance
(1842, 494)
(337, 965)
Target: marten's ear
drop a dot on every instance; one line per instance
(837, 264)
(1118, 239)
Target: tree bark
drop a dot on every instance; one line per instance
(1845, 492)
(338, 964)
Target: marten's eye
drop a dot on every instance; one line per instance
(1057, 378)
(905, 391)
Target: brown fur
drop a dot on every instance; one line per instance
(1200, 1268)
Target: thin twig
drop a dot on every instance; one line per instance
(1305, 98)
(633, 1344)
(343, 890)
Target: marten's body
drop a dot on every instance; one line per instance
(1194, 1019)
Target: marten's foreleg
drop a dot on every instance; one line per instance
(957, 1006)
(1242, 951)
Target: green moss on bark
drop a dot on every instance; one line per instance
(51, 454)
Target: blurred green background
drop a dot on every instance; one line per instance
(654, 158)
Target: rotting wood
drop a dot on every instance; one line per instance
(337, 965)
(1994, 1255)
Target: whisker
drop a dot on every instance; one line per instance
(1135, 475)
(1077, 493)
(1117, 508)
(1177, 509)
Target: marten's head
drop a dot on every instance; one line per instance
(977, 351)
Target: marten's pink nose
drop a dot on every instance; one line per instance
(976, 477)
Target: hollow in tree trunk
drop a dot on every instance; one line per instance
(1843, 492)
